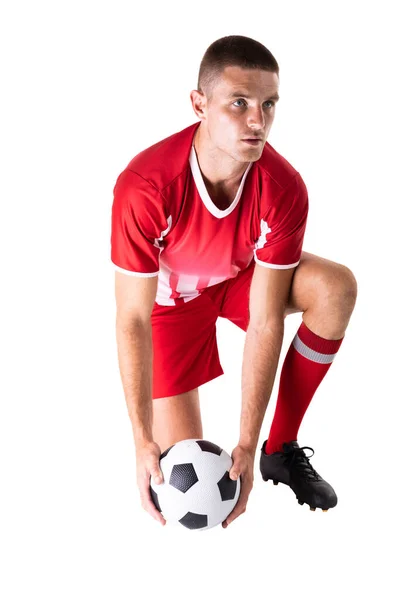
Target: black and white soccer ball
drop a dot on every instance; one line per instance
(197, 492)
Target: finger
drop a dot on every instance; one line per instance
(234, 473)
(155, 470)
(234, 515)
(158, 478)
(157, 475)
(147, 501)
(235, 470)
(236, 511)
(150, 507)
(241, 504)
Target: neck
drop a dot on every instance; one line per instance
(219, 169)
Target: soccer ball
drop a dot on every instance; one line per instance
(197, 492)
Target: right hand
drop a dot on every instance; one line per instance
(147, 464)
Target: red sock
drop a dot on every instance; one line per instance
(306, 364)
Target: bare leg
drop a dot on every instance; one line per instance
(177, 418)
(325, 292)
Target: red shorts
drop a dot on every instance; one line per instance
(185, 351)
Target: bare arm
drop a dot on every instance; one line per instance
(260, 361)
(269, 294)
(135, 298)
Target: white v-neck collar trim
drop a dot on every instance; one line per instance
(204, 195)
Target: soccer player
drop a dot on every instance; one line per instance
(209, 222)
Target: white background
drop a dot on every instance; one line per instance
(86, 86)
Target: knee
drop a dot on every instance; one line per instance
(339, 283)
(349, 286)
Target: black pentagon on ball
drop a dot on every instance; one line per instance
(166, 452)
(194, 521)
(227, 487)
(154, 497)
(183, 477)
(209, 447)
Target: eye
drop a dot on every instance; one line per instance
(266, 102)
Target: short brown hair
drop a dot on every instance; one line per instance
(233, 51)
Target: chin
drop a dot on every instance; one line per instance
(252, 153)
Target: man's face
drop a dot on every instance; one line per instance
(241, 108)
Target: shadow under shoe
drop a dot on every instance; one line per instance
(293, 468)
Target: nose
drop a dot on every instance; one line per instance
(256, 118)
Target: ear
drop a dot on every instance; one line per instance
(199, 103)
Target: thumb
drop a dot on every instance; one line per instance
(234, 473)
(157, 475)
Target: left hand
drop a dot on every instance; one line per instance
(243, 466)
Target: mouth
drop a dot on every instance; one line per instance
(252, 141)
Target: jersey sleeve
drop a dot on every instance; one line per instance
(282, 228)
(138, 226)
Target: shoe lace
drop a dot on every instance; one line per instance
(297, 458)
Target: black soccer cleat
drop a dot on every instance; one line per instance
(293, 468)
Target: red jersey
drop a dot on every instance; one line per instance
(164, 222)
